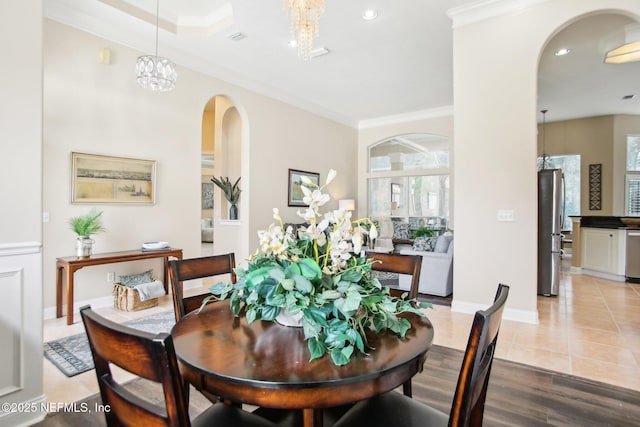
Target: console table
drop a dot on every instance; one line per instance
(67, 266)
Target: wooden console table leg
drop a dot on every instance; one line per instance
(166, 275)
(59, 269)
(312, 417)
(69, 280)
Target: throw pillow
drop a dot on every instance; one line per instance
(424, 243)
(401, 231)
(132, 280)
(442, 243)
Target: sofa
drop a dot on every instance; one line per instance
(206, 230)
(436, 274)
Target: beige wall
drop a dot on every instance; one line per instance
(20, 215)
(495, 79)
(95, 108)
(592, 138)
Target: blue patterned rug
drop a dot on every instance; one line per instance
(72, 354)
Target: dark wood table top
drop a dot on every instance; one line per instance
(267, 364)
(121, 256)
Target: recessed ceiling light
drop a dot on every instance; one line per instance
(562, 51)
(370, 14)
(293, 43)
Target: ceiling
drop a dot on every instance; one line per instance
(399, 63)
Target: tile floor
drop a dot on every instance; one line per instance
(591, 330)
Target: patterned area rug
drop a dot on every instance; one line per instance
(72, 354)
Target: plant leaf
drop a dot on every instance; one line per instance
(316, 348)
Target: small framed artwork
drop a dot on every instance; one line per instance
(106, 179)
(595, 187)
(295, 194)
(207, 195)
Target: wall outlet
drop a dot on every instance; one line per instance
(111, 277)
(506, 215)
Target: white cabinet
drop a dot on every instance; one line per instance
(603, 251)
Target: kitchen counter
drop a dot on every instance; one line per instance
(611, 222)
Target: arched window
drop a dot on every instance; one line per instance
(408, 180)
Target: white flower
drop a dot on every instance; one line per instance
(315, 199)
(305, 180)
(330, 176)
(357, 240)
(373, 232)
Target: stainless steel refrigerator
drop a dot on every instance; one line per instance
(549, 230)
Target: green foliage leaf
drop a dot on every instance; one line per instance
(316, 348)
(269, 312)
(309, 268)
(339, 358)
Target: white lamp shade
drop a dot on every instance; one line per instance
(347, 204)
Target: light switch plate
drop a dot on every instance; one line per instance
(505, 215)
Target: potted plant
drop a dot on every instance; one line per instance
(319, 275)
(424, 232)
(84, 226)
(231, 193)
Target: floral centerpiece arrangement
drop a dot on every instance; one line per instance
(319, 274)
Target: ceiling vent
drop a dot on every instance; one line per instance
(236, 37)
(321, 51)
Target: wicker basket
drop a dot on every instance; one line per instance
(127, 299)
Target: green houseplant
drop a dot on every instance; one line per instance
(318, 274)
(231, 193)
(84, 226)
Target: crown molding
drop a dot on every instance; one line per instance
(406, 117)
(486, 9)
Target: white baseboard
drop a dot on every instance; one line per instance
(600, 274)
(36, 413)
(575, 270)
(101, 302)
(523, 316)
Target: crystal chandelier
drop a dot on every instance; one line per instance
(155, 72)
(305, 22)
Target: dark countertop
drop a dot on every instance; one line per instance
(611, 222)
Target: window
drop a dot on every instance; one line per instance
(570, 165)
(632, 186)
(409, 180)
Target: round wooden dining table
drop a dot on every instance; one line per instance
(267, 364)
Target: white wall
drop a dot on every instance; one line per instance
(495, 70)
(20, 220)
(95, 108)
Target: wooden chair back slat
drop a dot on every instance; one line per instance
(402, 264)
(147, 355)
(469, 398)
(196, 268)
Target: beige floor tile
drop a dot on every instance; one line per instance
(541, 358)
(602, 371)
(607, 353)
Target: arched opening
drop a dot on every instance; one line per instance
(221, 157)
(580, 138)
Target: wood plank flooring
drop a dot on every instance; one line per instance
(519, 395)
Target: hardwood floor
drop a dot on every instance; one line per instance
(518, 395)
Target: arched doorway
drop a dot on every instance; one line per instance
(221, 157)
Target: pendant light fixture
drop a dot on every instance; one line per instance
(544, 153)
(154, 72)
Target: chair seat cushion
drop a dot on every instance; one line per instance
(392, 409)
(221, 414)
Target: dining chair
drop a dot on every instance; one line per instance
(402, 264)
(196, 268)
(467, 409)
(153, 357)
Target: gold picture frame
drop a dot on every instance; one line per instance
(107, 179)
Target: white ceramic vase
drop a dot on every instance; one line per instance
(287, 319)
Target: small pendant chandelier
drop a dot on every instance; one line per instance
(305, 23)
(154, 72)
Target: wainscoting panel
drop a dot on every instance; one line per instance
(11, 330)
(21, 334)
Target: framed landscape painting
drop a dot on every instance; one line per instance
(107, 179)
(295, 182)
